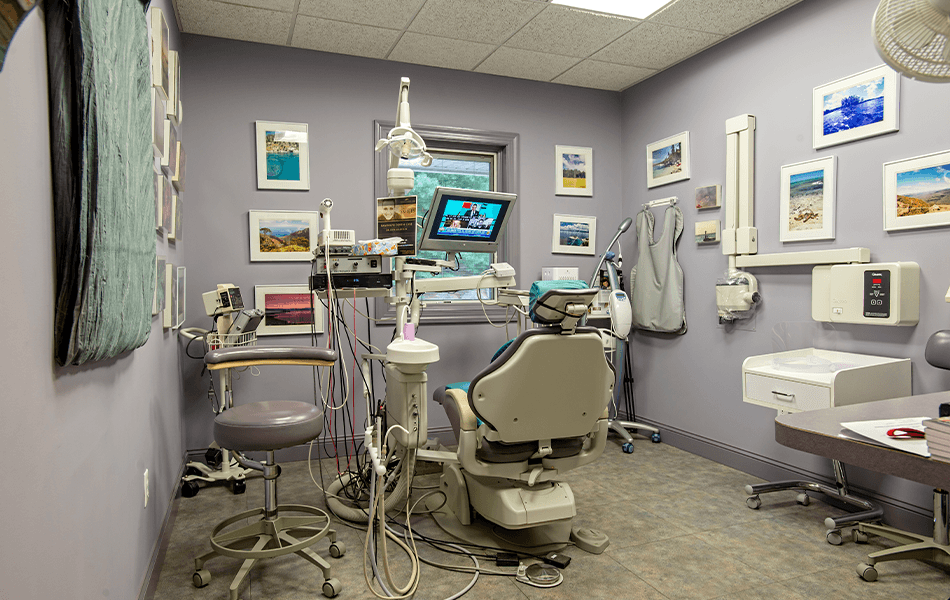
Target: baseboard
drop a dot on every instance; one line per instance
(897, 512)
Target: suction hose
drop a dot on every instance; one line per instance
(394, 501)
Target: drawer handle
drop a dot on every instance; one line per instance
(784, 396)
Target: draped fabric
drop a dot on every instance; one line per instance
(103, 198)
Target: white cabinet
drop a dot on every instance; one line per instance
(810, 379)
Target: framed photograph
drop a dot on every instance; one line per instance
(158, 299)
(174, 234)
(668, 160)
(167, 204)
(180, 320)
(170, 154)
(159, 179)
(288, 309)
(171, 298)
(707, 232)
(159, 52)
(282, 235)
(574, 167)
(283, 156)
(808, 201)
(158, 124)
(856, 107)
(917, 192)
(709, 196)
(174, 76)
(178, 179)
(574, 234)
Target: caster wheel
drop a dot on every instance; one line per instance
(337, 549)
(193, 471)
(834, 537)
(238, 486)
(189, 489)
(201, 578)
(858, 536)
(867, 572)
(655, 438)
(803, 499)
(753, 502)
(213, 457)
(627, 448)
(332, 587)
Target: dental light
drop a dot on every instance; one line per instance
(403, 143)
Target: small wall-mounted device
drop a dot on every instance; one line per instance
(869, 294)
(225, 299)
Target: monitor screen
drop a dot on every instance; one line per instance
(466, 220)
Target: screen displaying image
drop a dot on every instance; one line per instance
(468, 219)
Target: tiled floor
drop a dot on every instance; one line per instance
(678, 525)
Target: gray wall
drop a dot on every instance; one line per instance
(77, 440)
(769, 71)
(227, 85)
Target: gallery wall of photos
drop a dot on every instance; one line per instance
(169, 170)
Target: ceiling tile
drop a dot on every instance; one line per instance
(491, 21)
(603, 76)
(218, 19)
(343, 38)
(724, 17)
(393, 14)
(656, 46)
(435, 51)
(571, 32)
(525, 64)
(279, 5)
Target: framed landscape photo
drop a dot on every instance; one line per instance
(282, 235)
(856, 107)
(707, 232)
(709, 196)
(808, 201)
(574, 167)
(288, 309)
(574, 235)
(668, 160)
(917, 192)
(283, 156)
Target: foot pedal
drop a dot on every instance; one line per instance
(589, 540)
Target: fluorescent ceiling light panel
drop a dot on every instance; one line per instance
(638, 9)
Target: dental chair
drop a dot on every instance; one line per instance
(537, 411)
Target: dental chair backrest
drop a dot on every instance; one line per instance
(553, 381)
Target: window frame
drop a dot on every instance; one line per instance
(505, 146)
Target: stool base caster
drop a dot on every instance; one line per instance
(753, 502)
(627, 448)
(867, 572)
(332, 587)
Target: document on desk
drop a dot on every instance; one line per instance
(876, 431)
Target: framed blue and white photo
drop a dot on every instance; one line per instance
(856, 107)
(283, 156)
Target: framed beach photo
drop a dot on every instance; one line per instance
(709, 196)
(282, 235)
(574, 168)
(574, 235)
(283, 156)
(856, 107)
(917, 192)
(707, 232)
(808, 201)
(668, 160)
(288, 309)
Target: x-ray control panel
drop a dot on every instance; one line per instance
(872, 294)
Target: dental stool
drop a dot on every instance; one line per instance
(275, 529)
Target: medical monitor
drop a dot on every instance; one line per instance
(466, 220)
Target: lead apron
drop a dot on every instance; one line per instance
(657, 279)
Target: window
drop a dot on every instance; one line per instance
(462, 158)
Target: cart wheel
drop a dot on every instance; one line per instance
(213, 457)
(201, 578)
(627, 447)
(193, 471)
(337, 549)
(867, 572)
(803, 499)
(189, 489)
(332, 587)
(858, 536)
(655, 438)
(753, 502)
(834, 537)
(238, 486)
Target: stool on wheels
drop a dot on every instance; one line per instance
(275, 529)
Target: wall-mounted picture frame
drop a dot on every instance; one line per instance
(574, 171)
(707, 232)
(171, 299)
(859, 106)
(178, 179)
(917, 192)
(158, 124)
(808, 200)
(282, 235)
(574, 234)
(170, 154)
(174, 234)
(709, 196)
(180, 284)
(288, 310)
(159, 181)
(168, 204)
(283, 156)
(174, 76)
(158, 298)
(159, 51)
(668, 160)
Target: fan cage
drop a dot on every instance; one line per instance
(913, 37)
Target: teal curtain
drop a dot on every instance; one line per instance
(103, 199)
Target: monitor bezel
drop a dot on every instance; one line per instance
(441, 196)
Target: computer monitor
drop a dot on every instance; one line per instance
(466, 220)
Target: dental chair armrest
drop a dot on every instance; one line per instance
(457, 400)
(244, 356)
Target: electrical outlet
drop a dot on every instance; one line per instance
(146, 489)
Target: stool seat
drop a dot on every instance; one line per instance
(268, 425)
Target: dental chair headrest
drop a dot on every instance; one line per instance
(561, 302)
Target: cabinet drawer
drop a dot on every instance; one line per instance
(786, 395)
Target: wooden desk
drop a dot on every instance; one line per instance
(819, 432)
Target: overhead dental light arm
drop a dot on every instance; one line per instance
(405, 143)
(625, 225)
